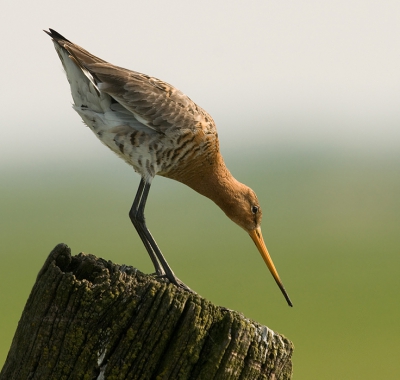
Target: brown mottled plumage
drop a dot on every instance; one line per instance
(159, 131)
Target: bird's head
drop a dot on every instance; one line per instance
(244, 209)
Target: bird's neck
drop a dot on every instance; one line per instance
(215, 182)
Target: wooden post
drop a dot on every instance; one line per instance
(87, 318)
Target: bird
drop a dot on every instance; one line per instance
(158, 130)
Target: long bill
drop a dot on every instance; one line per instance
(259, 242)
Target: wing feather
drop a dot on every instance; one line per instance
(153, 102)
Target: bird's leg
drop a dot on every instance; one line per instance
(138, 219)
(133, 214)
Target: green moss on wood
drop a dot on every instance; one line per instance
(87, 316)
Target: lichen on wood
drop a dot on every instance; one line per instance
(87, 318)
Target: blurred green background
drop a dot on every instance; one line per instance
(331, 222)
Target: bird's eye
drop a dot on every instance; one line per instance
(254, 209)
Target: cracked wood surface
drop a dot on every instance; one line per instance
(87, 318)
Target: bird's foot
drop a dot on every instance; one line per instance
(180, 284)
(174, 280)
(223, 308)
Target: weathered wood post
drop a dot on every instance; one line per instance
(87, 318)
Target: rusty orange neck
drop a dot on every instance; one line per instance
(214, 181)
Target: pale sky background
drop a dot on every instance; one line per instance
(274, 74)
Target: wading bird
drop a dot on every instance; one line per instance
(157, 130)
